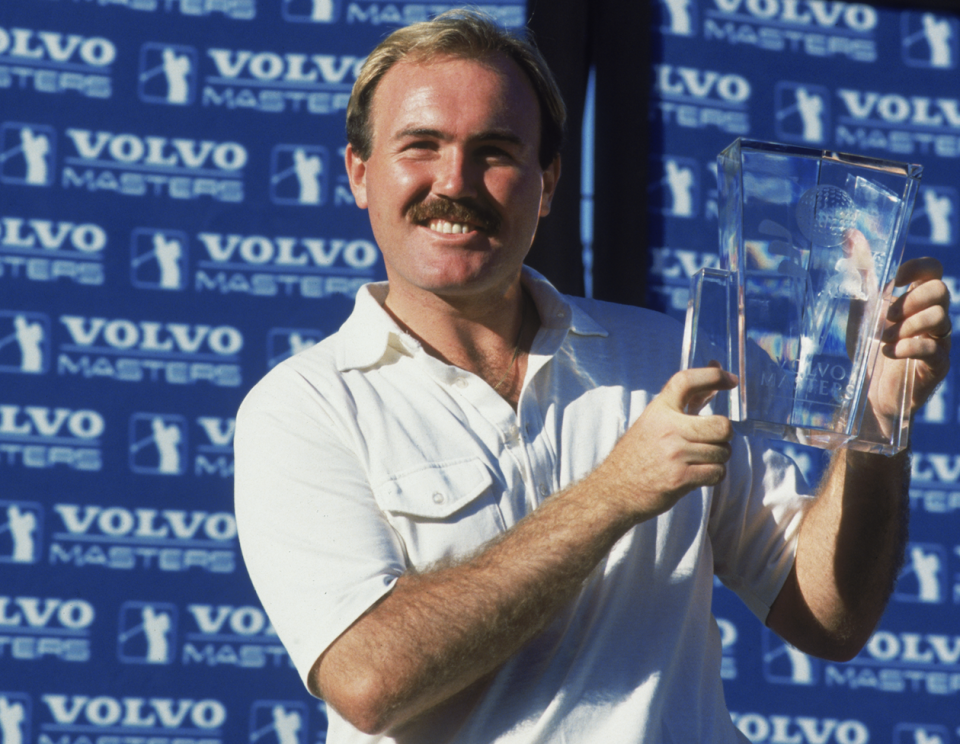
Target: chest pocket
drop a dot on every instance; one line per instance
(442, 510)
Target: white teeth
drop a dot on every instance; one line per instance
(442, 226)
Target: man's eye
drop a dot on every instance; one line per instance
(493, 152)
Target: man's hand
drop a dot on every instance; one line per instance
(918, 327)
(670, 450)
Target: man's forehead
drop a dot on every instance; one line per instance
(413, 74)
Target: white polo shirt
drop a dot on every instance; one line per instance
(364, 456)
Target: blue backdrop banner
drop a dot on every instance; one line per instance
(175, 220)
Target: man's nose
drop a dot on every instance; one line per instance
(456, 175)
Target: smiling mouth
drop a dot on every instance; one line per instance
(449, 217)
(450, 228)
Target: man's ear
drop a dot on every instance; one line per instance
(550, 178)
(357, 173)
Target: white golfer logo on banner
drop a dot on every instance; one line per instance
(14, 718)
(929, 40)
(168, 74)
(278, 722)
(923, 578)
(675, 192)
(158, 444)
(678, 17)
(802, 112)
(21, 525)
(24, 342)
(298, 175)
(283, 343)
(146, 633)
(917, 733)
(935, 216)
(783, 664)
(311, 11)
(158, 259)
(27, 153)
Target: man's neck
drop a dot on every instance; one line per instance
(489, 337)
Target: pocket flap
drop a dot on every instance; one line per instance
(435, 491)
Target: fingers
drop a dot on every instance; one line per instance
(691, 389)
(923, 311)
(918, 270)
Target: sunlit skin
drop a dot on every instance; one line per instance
(462, 132)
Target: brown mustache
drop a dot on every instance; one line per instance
(467, 211)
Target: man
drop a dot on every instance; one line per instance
(470, 515)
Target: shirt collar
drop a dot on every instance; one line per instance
(369, 333)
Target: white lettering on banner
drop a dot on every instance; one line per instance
(698, 99)
(403, 14)
(728, 640)
(778, 729)
(50, 62)
(905, 125)
(15, 232)
(913, 648)
(34, 612)
(812, 27)
(216, 456)
(153, 336)
(902, 662)
(219, 431)
(158, 151)
(291, 68)
(242, 621)
(259, 250)
(176, 353)
(135, 713)
(43, 250)
(264, 266)
(43, 437)
(894, 108)
(828, 15)
(273, 83)
(167, 540)
(935, 482)
(137, 166)
(151, 524)
(26, 44)
(688, 82)
(235, 9)
(34, 628)
(46, 422)
(240, 637)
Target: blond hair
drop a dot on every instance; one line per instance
(467, 34)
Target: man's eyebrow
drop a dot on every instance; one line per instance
(500, 135)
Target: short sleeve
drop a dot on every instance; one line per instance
(318, 549)
(755, 521)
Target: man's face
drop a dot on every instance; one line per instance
(453, 184)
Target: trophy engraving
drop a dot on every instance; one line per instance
(810, 242)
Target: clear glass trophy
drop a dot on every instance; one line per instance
(810, 243)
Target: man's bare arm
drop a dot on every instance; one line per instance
(439, 631)
(852, 538)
